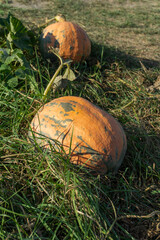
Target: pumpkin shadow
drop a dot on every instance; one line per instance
(142, 149)
(112, 55)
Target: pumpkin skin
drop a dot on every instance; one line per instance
(93, 137)
(69, 38)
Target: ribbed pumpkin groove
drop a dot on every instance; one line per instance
(92, 136)
(69, 38)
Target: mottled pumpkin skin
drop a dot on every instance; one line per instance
(71, 41)
(96, 138)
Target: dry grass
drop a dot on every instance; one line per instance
(130, 26)
(122, 78)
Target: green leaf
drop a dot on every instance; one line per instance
(20, 73)
(33, 85)
(16, 26)
(10, 37)
(21, 37)
(13, 82)
(59, 82)
(156, 191)
(4, 67)
(18, 33)
(14, 58)
(23, 43)
(18, 52)
(17, 56)
(4, 53)
(3, 22)
(69, 74)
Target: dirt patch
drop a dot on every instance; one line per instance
(28, 5)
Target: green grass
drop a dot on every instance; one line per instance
(42, 195)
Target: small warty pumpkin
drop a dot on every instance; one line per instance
(68, 38)
(93, 137)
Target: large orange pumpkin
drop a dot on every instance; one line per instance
(69, 38)
(92, 136)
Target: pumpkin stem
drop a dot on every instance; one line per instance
(51, 81)
(60, 18)
(62, 63)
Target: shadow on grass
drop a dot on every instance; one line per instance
(111, 55)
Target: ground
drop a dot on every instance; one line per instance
(127, 25)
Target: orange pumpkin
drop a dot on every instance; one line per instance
(90, 135)
(69, 38)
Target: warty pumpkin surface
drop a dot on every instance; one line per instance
(92, 136)
(69, 38)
